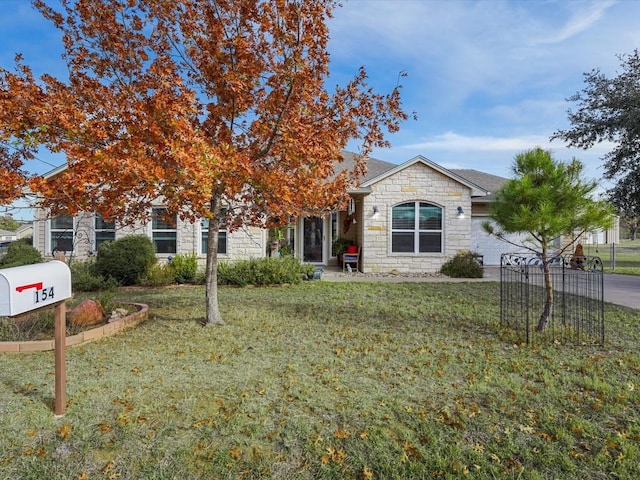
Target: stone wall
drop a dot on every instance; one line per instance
(417, 182)
(245, 243)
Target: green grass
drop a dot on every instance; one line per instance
(627, 257)
(327, 381)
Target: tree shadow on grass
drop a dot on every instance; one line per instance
(30, 391)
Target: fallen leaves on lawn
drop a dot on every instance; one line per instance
(64, 431)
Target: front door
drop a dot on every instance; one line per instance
(313, 240)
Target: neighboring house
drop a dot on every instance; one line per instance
(24, 231)
(411, 217)
(7, 236)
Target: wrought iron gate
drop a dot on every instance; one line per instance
(578, 293)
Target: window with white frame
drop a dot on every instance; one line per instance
(104, 231)
(164, 231)
(222, 238)
(416, 227)
(61, 229)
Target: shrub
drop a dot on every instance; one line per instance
(20, 253)
(201, 277)
(127, 259)
(85, 277)
(463, 265)
(107, 301)
(184, 267)
(236, 273)
(158, 276)
(260, 271)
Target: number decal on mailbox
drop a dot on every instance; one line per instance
(44, 294)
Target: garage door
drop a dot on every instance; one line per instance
(489, 246)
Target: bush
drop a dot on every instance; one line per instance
(236, 273)
(201, 277)
(127, 259)
(85, 277)
(158, 276)
(463, 265)
(184, 267)
(260, 271)
(107, 302)
(20, 253)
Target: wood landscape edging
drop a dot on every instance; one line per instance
(90, 335)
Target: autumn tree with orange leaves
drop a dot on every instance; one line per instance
(219, 107)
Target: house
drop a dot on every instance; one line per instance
(7, 236)
(25, 230)
(410, 217)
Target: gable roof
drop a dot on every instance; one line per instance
(375, 167)
(380, 172)
(490, 183)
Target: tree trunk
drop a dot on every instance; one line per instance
(211, 283)
(547, 311)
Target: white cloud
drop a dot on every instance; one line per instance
(582, 19)
(454, 142)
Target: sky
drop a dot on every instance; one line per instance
(487, 79)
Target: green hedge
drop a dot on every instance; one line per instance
(91, 275)
(463, 265)
(86, 278)
(127, 260)
(260, 271)
(184, 267)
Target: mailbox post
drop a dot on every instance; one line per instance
(31, 287)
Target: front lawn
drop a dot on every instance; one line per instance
(327, 381)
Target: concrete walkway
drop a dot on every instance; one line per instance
(619, 289)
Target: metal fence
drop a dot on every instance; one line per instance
(616, 256)
(578, 313)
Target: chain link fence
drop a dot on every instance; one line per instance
(616, 257)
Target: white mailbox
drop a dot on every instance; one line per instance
(33, 286)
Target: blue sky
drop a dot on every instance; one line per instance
(487, 79)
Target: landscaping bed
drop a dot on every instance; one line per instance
(34, 331)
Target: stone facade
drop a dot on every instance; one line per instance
(417, 182)
(245, 243)
(385, 185)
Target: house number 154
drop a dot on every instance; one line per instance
(44, 294)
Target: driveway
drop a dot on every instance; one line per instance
(619, 289)
(622, 290)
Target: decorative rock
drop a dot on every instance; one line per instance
(117, 314)
(86, 313)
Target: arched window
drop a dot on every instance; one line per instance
(416, 227)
